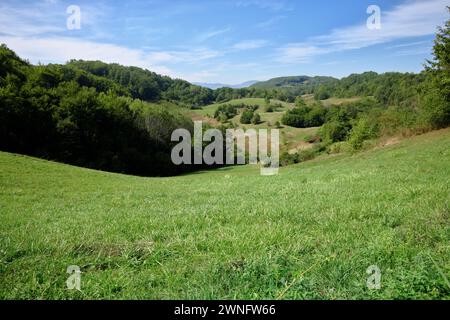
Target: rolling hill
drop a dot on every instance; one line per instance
(304, 82)
(309, 233)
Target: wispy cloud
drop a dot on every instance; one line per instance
(270, 22)
(211, 34)
(410, 19)
(274, 5)
(249, 44)
(49, 18)
(411, 44)
(413, 51)
(298, 52)
(30, 20)
(187, 56)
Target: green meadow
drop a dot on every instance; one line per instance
(310, 232)
(292, 139)
(210, 109)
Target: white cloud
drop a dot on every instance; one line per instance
(62, 49)
(410, 19)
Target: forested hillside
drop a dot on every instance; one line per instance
(388, 88)
(297, 84)
(146, 85)
(64, 113)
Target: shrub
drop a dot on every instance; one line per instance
(305, 117)
(246, 116)
(339, 147)
(308, 154)
(256, 119)
(287, 158)
(364, 129)
(225, 112)
(334, 131)
(299, 102)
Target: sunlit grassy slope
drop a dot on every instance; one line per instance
(209, 110)
(291, 137)
(310, 232)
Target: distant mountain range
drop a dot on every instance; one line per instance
(222, 85)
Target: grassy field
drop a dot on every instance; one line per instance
(290, 137)
(209, 110)
(309, 233)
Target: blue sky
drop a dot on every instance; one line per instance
(228, 41)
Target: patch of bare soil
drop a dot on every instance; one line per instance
(197, 117)
(300, 146)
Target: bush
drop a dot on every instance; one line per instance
(246, 116)
(299, 102)
(364, 129)
(334, 131)
(305, 117)
(225, 112)
(394, 119)
(288, 159)
(256, 119)
(309, 154)
(339, 147)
